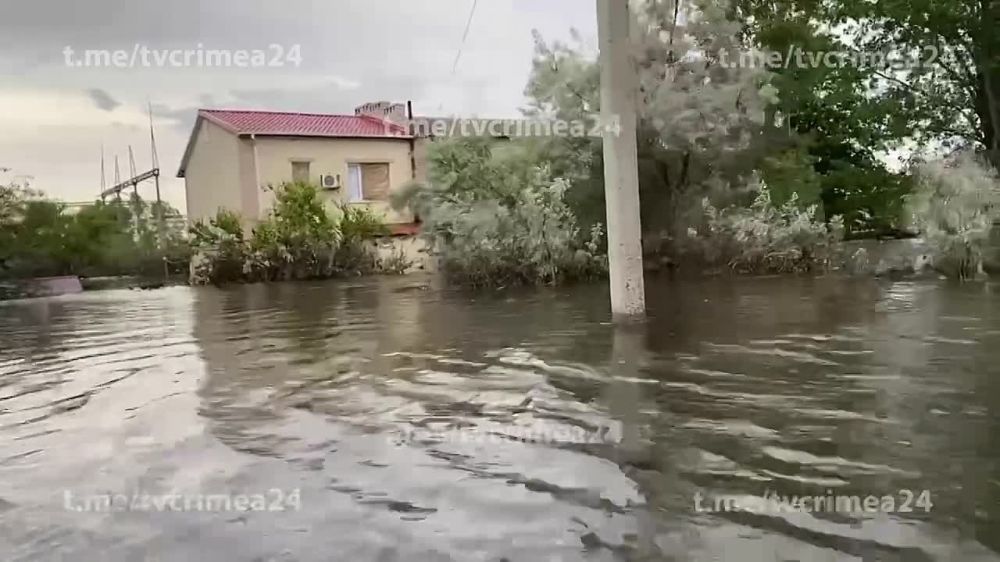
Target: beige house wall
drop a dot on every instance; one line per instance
(421, 146)
(249, 198)
(331, 156)
(212, 180)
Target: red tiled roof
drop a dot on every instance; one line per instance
(281, 123)
(242, 122)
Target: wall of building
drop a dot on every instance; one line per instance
(212, 178)
(332, 156)
(421, 146)
(250, 208)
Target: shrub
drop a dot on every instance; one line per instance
(299, 239)
(221, 248)
(954, 206)
(359, 225)
(494, 219)
(395, 263)
(766, 238)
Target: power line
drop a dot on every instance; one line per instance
(465, 35)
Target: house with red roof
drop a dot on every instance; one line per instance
(232, 157)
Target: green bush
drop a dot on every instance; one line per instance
(222, 249)
(494, 219)
(299, 239)
(955, 206)
(766, 238)
(359, 225)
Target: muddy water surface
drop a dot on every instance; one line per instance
(388, 419)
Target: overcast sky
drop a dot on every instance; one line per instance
(54, 118)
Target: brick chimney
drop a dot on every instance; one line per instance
(395, 112)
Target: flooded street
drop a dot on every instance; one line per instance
(392, 420)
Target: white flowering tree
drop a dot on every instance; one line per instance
(702, 124)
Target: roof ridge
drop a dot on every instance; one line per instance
(304, 113)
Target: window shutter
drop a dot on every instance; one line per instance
(300, 172)
(375, 181)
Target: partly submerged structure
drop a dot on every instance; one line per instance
(232, 157)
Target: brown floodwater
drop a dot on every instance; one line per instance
(390, 419)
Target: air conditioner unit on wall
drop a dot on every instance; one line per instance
(331, 181)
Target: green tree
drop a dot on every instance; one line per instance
(930, 70)
(12, 201)
(496, 218)
(40, 237)
(833, 110)
(703, 126)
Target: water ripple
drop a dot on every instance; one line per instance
(434, 424)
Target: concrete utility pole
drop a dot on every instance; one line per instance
(619, 91)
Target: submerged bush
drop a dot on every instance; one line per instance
(494, 219)
(767, 238)
(221, 249)
(955, 206)
(299, 239)
(358, 227)
(395, 262)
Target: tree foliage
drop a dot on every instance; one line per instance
(768, 238)
(835, 112)
(496, 219)
(712, 115)
(703, 125)
(955, 207)
(931, 72)
(954, 94)
(40, 237)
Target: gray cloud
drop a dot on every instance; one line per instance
(103, 99)
(180, 119)
(329, 96)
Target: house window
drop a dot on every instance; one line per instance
(300, 172)
(368, 182)
(354, 190)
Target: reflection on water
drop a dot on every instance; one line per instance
(424, 424)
